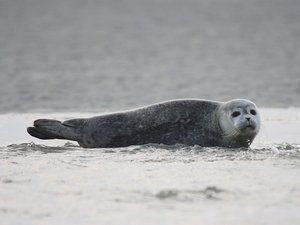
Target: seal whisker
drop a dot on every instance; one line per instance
(232, 132)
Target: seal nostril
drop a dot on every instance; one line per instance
(247, 118)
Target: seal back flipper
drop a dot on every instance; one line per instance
(38, 133)
(52, 129)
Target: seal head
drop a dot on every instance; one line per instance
(239, 121)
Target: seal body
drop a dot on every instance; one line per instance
(187, 121)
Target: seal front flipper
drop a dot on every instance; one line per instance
(54, 129)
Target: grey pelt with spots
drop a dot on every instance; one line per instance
(187, 121)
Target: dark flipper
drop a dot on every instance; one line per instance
(38, 133)
(53, 129)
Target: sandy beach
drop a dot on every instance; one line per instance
(58, 182)
(64, 59)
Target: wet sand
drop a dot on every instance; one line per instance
(57, 182)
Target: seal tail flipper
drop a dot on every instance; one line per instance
(54, 129)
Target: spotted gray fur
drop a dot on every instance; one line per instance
(187, 121)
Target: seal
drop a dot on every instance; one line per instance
(231, 124)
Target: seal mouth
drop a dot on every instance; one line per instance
(248, 128)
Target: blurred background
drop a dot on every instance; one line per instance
(102, 55)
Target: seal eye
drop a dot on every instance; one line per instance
(253, 112)
(235, 114)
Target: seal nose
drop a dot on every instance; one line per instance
(247, 118)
